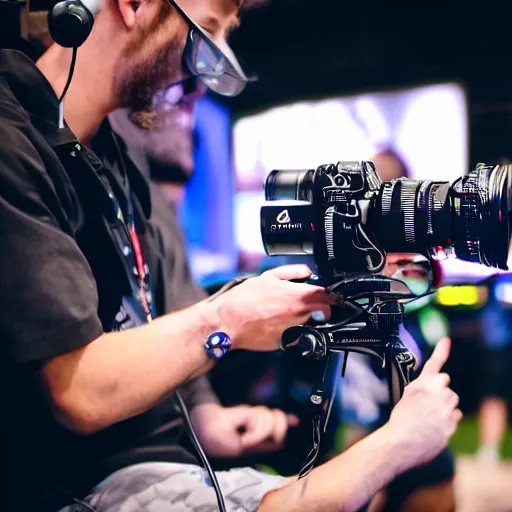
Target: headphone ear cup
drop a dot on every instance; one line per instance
(70, 23)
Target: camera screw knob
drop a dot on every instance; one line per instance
(316, 399)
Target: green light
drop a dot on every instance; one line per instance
(433, 325)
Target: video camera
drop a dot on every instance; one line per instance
(350, 220)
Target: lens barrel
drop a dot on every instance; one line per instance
(470, 215)
(290, 185)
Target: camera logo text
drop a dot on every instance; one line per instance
(284, 223)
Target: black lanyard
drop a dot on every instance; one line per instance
(133, 255)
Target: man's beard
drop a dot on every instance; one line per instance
(145, 75)
(166, 111)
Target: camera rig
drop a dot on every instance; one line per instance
(349, 220)
(366, 320)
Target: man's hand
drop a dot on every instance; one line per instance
(427, 415)
(419, 428)
(230, 432)
(257, 312)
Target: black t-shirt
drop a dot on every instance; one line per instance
(63, 283)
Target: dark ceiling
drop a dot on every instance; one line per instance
(309, 48)
(304, 49)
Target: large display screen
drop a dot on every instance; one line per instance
(420, 132)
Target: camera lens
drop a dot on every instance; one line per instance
(412, 216)
(289, 185)
(471, 216)
(288, 230)
(481, 216)
(358, 218)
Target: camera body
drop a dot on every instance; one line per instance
(349, 219)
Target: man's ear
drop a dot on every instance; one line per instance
(128, 10)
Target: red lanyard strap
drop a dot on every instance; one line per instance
(141, 269)
(139, 257)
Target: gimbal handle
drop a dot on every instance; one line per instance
(377, 336)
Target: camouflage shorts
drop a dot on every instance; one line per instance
(169, 487)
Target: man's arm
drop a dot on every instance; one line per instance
(346, 482)
(49, 318)
(120, 375)
(419, 429)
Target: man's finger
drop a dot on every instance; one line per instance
(452, 400)
(280, 427)
(439, 381)
(293, 421)
(314, 294)
(259, 429)
(438, 358)
(455, 418)
(290, 272)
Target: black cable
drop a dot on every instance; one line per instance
(197, 445)
(66, 87)
(70, 75)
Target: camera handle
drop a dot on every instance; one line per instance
(371, 330)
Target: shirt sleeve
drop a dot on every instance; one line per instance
(49, 295)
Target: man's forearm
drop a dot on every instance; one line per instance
(345, 483)
(123, 374)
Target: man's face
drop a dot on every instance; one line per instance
(158, 93)
(153, 59)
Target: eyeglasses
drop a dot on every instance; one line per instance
(213, 63)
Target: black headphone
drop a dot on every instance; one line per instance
(70, 21)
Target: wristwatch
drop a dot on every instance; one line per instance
(217, 345)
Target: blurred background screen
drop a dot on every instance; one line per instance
(425, 126)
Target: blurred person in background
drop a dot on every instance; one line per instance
(496, 375)
(165, 156)
(83, 281)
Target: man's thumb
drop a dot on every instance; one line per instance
(290, 272)
(438, 358)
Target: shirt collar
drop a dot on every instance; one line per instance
(24, 78)
(35, 95)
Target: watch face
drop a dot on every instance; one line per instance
(218, 345)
